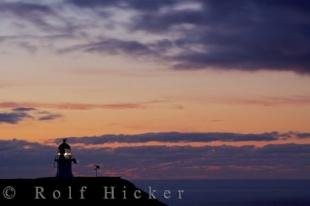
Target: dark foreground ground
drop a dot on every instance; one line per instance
(77, 190)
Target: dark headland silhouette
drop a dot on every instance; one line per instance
(65, 188)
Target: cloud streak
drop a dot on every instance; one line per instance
(47, 116)
(19, 114)
(83, 106)
(269, 101)
(13, 117)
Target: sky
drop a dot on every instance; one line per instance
(209, 88)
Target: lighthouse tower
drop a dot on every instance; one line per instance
(64, 161)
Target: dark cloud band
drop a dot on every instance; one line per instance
(175, 137)
(270, 161)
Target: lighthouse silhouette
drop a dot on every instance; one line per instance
(64, 160)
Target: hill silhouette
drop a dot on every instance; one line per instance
(76, 189)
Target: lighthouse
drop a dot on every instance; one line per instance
(64, 160)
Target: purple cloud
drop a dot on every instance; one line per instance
(18, 114)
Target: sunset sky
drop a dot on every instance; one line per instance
(77, 68)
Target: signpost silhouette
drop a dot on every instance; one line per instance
(96, 168)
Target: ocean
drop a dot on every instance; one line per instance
(231, 192)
